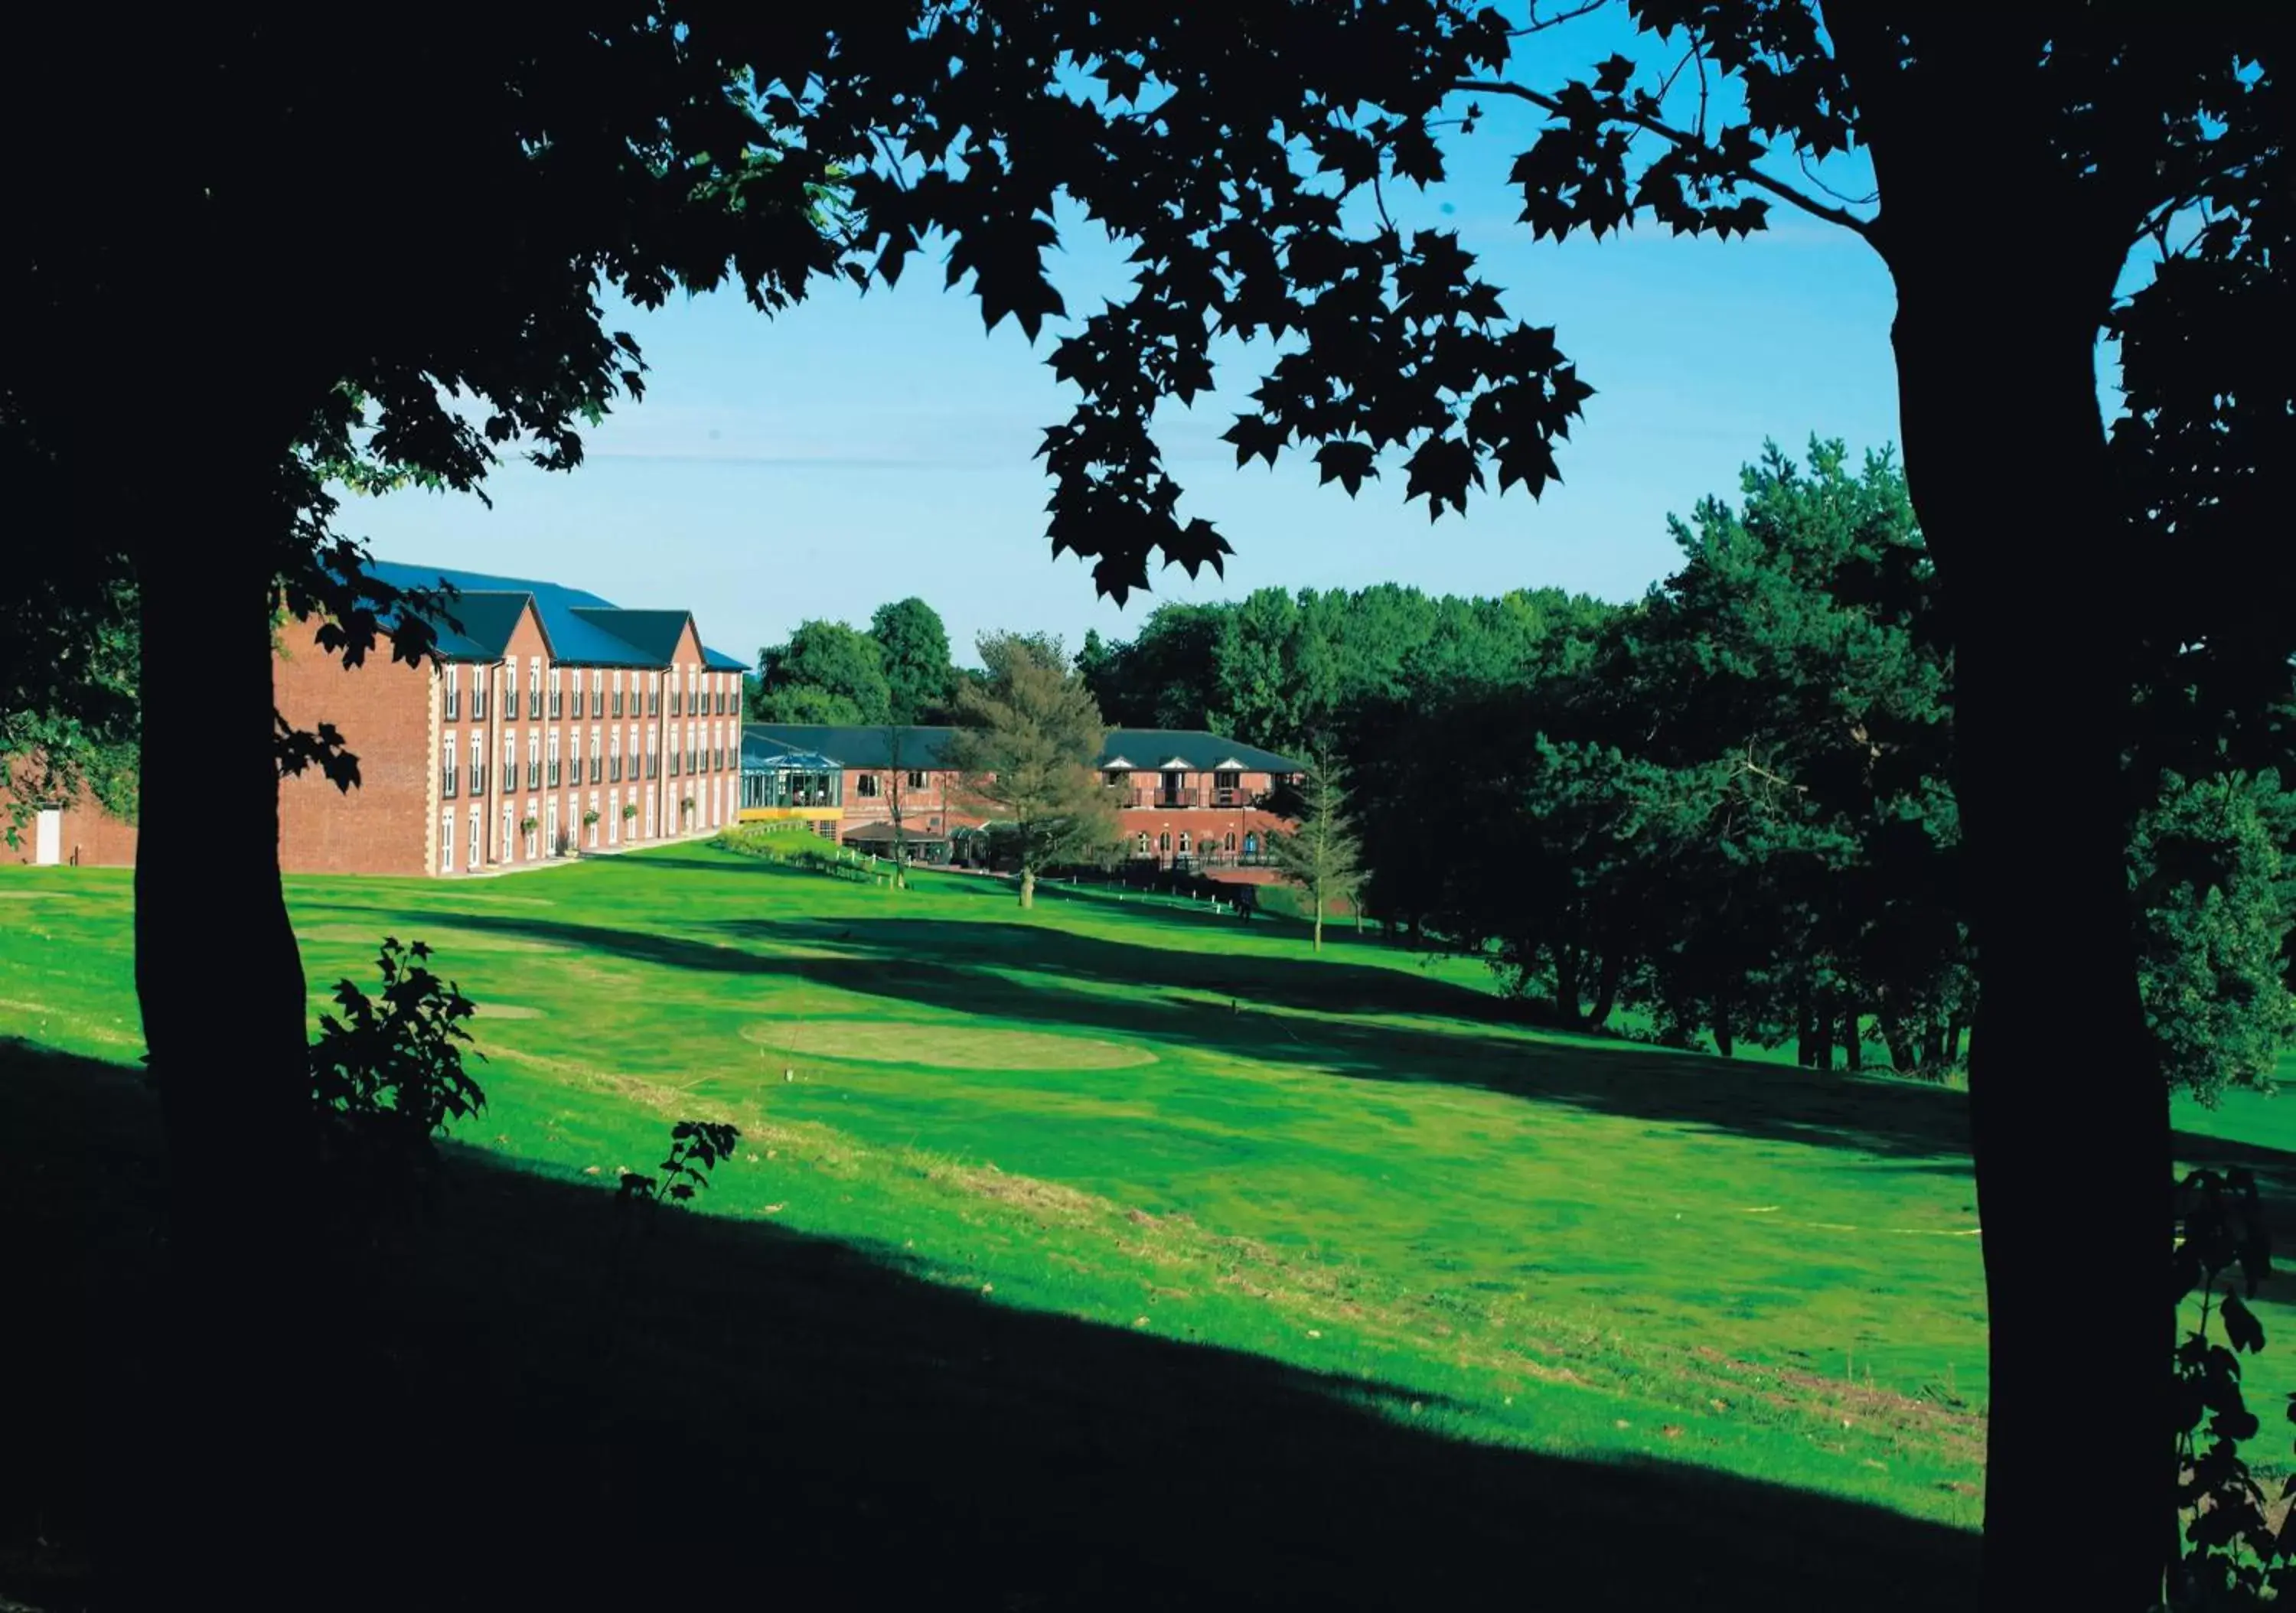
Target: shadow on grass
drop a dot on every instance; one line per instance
(1040, 976)
(779, 1418)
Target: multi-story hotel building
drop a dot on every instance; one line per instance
(1185, 799)
(553, 722)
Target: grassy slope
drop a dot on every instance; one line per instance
(1188, 1129)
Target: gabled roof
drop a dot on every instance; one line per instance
(872, 748)
(487, 621)
(581, 627)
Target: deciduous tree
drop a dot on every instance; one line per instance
(826, 672)
(913, 645)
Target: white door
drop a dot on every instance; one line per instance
(48, 836)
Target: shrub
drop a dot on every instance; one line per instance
(387, 1071)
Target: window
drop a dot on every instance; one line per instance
(613, 817)
(617, 695)
(553, 758)
(1229, 844)
(917, 778)
(1143, 846)
(534, 688)
(478, 765)
(614, 759)
(597, 759)
(446, 843)
(866, 786)
(454, 713)
(477, 847)
(530, 818)
(653, 694)
(510, 766)
(557, 695)
(654, 767)
(550, 826)
(672, 739)
(1183, 842)
(509, 845)
(449, 751)
(597, 692)
(480, 676)
(593, 815)
(575, 686)
(649, 814)
(1227, 781)
(533, 761)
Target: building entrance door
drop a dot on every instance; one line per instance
(48, 836)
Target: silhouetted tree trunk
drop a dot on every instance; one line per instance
(1566, 983)
(2000, 303)
(221, 987)
(1606, 990)
(1725, 1043)
(1853, 1040)
(1892, 1026)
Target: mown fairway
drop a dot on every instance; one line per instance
(1388, 1201)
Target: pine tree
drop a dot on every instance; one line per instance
(1031, 735)
(1321, 856)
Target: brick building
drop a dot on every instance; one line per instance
(554, 721)
(1185, 799)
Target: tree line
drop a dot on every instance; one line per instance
(1729, 806)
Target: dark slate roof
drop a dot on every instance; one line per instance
(1145, 750)
(873, 833)
(488, 621)
(581, 626)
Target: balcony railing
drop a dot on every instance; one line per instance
(454, 704)
(557, 706)
(478, 781)
(478, 705)
(447, 784)
(534, 775)
(554, 776)
(533, 705)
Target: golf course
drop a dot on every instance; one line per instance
(1052, 1233)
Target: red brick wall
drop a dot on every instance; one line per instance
(88, 835)
(384, 710)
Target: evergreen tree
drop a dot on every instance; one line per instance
(1027, 752)
(1321, 855)
(2213, 901)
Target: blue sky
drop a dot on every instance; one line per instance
(861, 448)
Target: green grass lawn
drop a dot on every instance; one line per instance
(1156, 1143)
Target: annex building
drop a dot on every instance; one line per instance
(1185, 798)
(554, 722)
